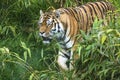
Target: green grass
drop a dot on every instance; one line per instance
(23, 56)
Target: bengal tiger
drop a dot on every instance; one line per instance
(64, 24)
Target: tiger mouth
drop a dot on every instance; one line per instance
(46, 39)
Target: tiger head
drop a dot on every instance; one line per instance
(50, 26)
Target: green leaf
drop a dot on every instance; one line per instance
(13, 29)
(4, 50)
(31, 76)
(103, 38)
(29, 52)
(109, 30)
(43, 76)
(84, 36)
(0, 28)
(79, 50)
(118, 33)
(23, 45)
(4, 30)
(42, 53)
(25, 55)
(118, 55)
(89, 47)
(97, 23)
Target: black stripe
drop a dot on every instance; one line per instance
(86, 16)
(64, 44)
(82, 18)
(67, 56)
(91, 11)
(71, 12)
(75, 10)
(104, 6)
(76, 17)
(94, 9)
(54, 24)
(79, 19)
(71, 22)
(66, 10)
(68, 40)
(58, 25)
(99, 9)
(68, 62)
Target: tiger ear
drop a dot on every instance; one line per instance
(41, 12)
(57, 13)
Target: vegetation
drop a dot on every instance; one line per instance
(23, 56)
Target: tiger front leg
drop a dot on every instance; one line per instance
(65, 59)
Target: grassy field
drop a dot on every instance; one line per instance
(23, 56)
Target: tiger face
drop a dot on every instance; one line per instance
(50, 26)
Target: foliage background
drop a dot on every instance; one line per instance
(23, 56)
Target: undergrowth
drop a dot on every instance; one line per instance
(23, 56)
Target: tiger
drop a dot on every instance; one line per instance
(64, 24)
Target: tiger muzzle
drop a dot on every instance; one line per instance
(46, 39)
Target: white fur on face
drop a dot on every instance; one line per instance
(40, 20)
(49, 21)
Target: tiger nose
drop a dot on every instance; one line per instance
(41, 33)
